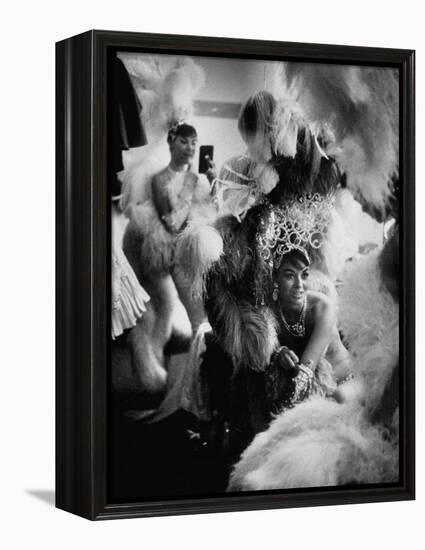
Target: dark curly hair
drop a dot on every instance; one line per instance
(182, 129)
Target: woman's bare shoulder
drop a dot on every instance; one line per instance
(319, 303)
(160, 177)
(160, 183)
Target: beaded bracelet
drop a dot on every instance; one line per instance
(307, 364)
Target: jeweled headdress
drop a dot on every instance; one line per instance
(301, 224)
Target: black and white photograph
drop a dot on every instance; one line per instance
(212, 302)
(254, 276)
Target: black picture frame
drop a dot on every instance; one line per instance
(82, 272)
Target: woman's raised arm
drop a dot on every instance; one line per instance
(324, 318)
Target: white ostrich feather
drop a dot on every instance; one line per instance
(197, 248)
(317, 444)
(369, 320)
(359, 107)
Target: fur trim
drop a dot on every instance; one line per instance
(237, 252)
(247, 334)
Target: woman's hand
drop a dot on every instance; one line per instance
(211, 173)
(287, 359)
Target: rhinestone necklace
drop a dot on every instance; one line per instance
(297, 329)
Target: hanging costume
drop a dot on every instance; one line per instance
(127, 296)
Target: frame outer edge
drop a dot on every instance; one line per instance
(81, 267)
(100, 282)
(408, 273)
(63, 475)
(73, 276)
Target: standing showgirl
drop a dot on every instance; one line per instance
(150, 242)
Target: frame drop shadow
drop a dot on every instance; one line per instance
(45, 495)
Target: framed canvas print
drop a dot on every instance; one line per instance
(235, 274)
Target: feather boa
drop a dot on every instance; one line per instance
(147, 241)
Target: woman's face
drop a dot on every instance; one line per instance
(291, 278)
(183, 149)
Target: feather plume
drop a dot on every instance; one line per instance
(359, 107)
(197, 248)
(369, 321)
(166, 86)
(287, 124)
(159, 247)
(266, 177)
(317, 444)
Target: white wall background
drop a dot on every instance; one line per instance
(28, 32)
(233, 81)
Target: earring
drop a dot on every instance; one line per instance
(275, 294)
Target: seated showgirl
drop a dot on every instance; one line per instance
(320, 443)
(281, 339)
(309, 359)
(307, 333)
